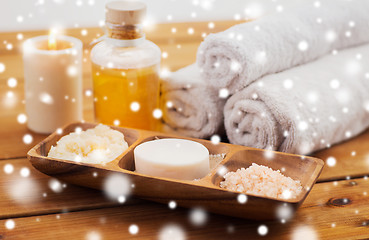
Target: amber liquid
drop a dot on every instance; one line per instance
(126, 97)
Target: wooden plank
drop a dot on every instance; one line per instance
(324, 215)
(25, 196)
(351, 159)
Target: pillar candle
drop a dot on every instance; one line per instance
(53, 82)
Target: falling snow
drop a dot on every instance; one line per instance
(303, 46)
(172, 204)
(242, 198)
(331, 161)
(117, 185)
(25, 172)
(22, 118)
(55, 185)
(2, 67)
(10, 224)
(304, 232)
(133, 229)
(262, 230)
(135, 106)
(27, 139)
(215, 139)
(223, 93)
(8, 168)
(172, 232)
(93, 235)
(198, 216)
(157, 113)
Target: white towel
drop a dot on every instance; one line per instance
(236, 57)
(190, 107)
(305, 108)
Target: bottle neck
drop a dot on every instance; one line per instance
(124, 35)
(124, 32)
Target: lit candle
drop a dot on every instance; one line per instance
(53, 81)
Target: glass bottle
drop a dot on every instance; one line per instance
(125, 68)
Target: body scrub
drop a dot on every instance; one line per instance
(98, 145)
(172, 158)
(263, 181)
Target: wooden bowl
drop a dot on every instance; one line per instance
(204, 193)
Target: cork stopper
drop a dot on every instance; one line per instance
(125, 12)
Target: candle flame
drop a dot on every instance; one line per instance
(52, 40)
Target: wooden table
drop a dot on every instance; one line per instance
(337, 206)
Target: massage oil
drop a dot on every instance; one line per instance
(125, 70)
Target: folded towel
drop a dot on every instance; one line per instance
(236, 57)
(305, 108)
(190, 107)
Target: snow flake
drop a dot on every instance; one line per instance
(27, 139)
(8, 168)
(284, 212)
(172, 204)
(215, 139)
(12, 82)
(84, 32)
(303, 46)
(302, 126)
(164, 55)
(10, 224)
(157, 113)
(46, 98)
(2, 67)
(198, 216)
(262, 230)
(331, 161)
(172, 232)
(237, 17)
(279, 8)
(190, 31)
(223, 93)
(288, 83)
(304, 232)
(133, 229)
(55, 185)
(20, 18)
(242, 198)
(330, 36)
(93, 235)
(117, 185)
(222, 170)
(20, 36)
(135, 106)
(25, 172)
(21, 118)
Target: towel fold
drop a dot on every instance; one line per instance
(305, 108)
(243, 53)
(190, 107)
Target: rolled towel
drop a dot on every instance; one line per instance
(190, 107)
(305, 108)
(238, 56)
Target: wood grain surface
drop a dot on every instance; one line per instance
(33, 194)
(333, 210)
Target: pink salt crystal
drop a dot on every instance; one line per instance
(263, 181)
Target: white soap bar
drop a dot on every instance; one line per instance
(172, 158)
